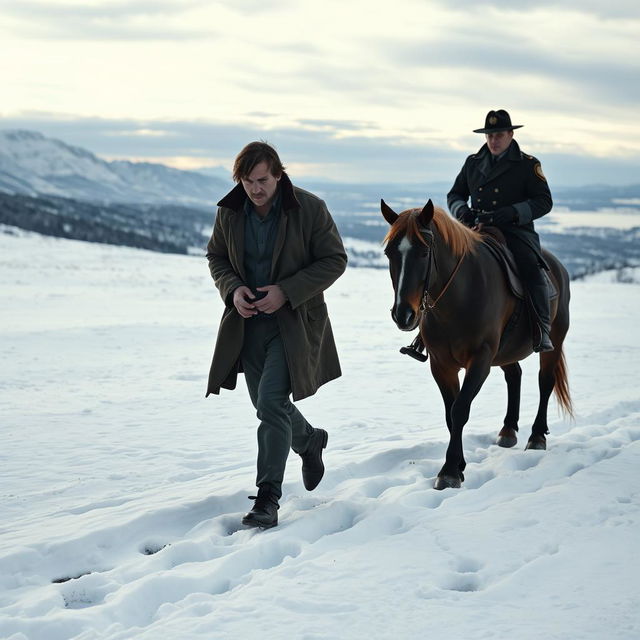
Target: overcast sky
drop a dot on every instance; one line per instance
(348, 90)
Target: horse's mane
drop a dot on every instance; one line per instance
(460, 239)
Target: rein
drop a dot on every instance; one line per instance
(428, 303)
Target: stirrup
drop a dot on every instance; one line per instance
(414, 353)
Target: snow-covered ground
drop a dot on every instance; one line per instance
(122, 487)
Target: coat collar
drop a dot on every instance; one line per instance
(513, 152)
(483, 156)
(235, 199)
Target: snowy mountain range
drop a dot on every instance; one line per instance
(34, 165)
(59, 190)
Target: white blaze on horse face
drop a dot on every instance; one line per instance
(403, 248)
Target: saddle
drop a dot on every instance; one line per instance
(495, 241)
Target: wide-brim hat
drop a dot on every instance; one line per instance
(497, 121)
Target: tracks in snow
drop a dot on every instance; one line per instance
(136, 567)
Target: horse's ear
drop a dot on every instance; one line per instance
(388, 213)
(426, 215)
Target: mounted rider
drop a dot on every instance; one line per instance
(508, 190)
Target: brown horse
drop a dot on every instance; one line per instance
(447, 282)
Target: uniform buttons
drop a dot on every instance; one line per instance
(479, 188)
(494, 202)
(496, 189)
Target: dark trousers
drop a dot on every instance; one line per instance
(532, 278)
(282, 427)
(525, 258)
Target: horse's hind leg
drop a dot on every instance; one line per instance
(546, 382)
(508, 434)
(550, 365)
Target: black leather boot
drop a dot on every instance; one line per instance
(540, 300)
(545, 343)
(415, 349)
(264, 514)
(312, 465)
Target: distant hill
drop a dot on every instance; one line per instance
(34, 165)
(56, 189)
(166, 228)
(597, 196)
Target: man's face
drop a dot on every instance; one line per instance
(499, 142)
(260, 185)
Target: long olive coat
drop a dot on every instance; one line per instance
(307, 258)
(516, 180)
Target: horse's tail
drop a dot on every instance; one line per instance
(561, 386)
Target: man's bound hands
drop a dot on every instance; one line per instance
(247, 304)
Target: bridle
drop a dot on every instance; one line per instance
(427, 303)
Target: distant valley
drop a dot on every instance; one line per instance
(55, 189)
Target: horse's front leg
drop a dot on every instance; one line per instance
(451, 475)
(447, 380)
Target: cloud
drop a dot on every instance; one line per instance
(142, 132)
(619, 9)
(249, 7)
(337, 126)
(113, 10)
(393, 90)
(509, 57)
(128, 21)
(320, 151)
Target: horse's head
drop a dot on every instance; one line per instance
(409, 243)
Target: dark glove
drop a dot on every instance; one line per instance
(502, 217)
(466, 216)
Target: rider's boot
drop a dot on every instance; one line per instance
(539, 295)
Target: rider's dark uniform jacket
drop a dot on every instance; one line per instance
(516, 179)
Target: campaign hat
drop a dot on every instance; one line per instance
(497, 121)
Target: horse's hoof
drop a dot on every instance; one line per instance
(537, 442)
(447, 482)
(506, 442)
(507, 438)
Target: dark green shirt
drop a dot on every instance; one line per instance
(259, 242)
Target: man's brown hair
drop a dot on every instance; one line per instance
(253, 154)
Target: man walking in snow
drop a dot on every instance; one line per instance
(273, 251)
